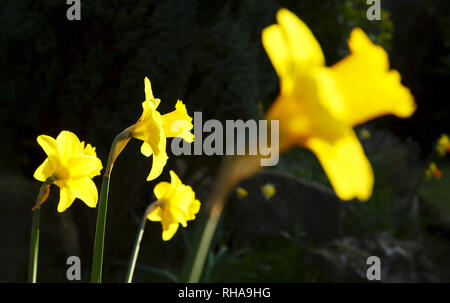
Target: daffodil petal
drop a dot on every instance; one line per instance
(68, 145)
(159, 161)
(48, 144)
(158, 145)
(45, 170)
(155, 215)
(174, 179)
(178, 123)
(161, 189)
(346, 166)
(149, 93)
(66, 198)
(368, 87)
(85, 190)
(304, 47)
(146, 149)
(277, 49)
(169, 229)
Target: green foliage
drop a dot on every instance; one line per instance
(435, 192)
(277, 259)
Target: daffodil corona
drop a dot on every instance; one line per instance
(176, 205)
(318, 106)
(70, 165)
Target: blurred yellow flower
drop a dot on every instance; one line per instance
(176, 205)
(154, 128)
(443, 145)
(268, 190)
(433, 171)
(318, 106)
(241, 192)
(71, 165)
(364, 133)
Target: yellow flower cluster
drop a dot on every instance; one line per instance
(71, 164)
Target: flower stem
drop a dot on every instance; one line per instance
(232, 171)
(119, 143)
(34, 247)
(97, 261)
(137, 244)
(34, 242)
(205, 242)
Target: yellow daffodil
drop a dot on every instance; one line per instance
(433, 171)
(241, 192)
(443, 145)
(318, 106)
(153, 128)
(71, 165)
(268, 191)
(176, 205)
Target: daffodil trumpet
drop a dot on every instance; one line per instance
(137, 243)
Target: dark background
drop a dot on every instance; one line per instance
(87, 77)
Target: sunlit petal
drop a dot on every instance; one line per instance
(346, 166)
(66, 198)
(68, 145)
(85, 190)
(146, 149)
(45, 170)
(48, 144)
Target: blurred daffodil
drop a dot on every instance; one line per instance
(268, 191)
(318, 106)
(241, 192)
(176, 205)
(433, 171)
(70, 165)
(443, 145)
(153, 128)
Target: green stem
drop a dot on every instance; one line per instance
(97, 261)
(232, 171)
(34, 247)
(202, 252)
(119, 143)
(137, 244)
(34, 242)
